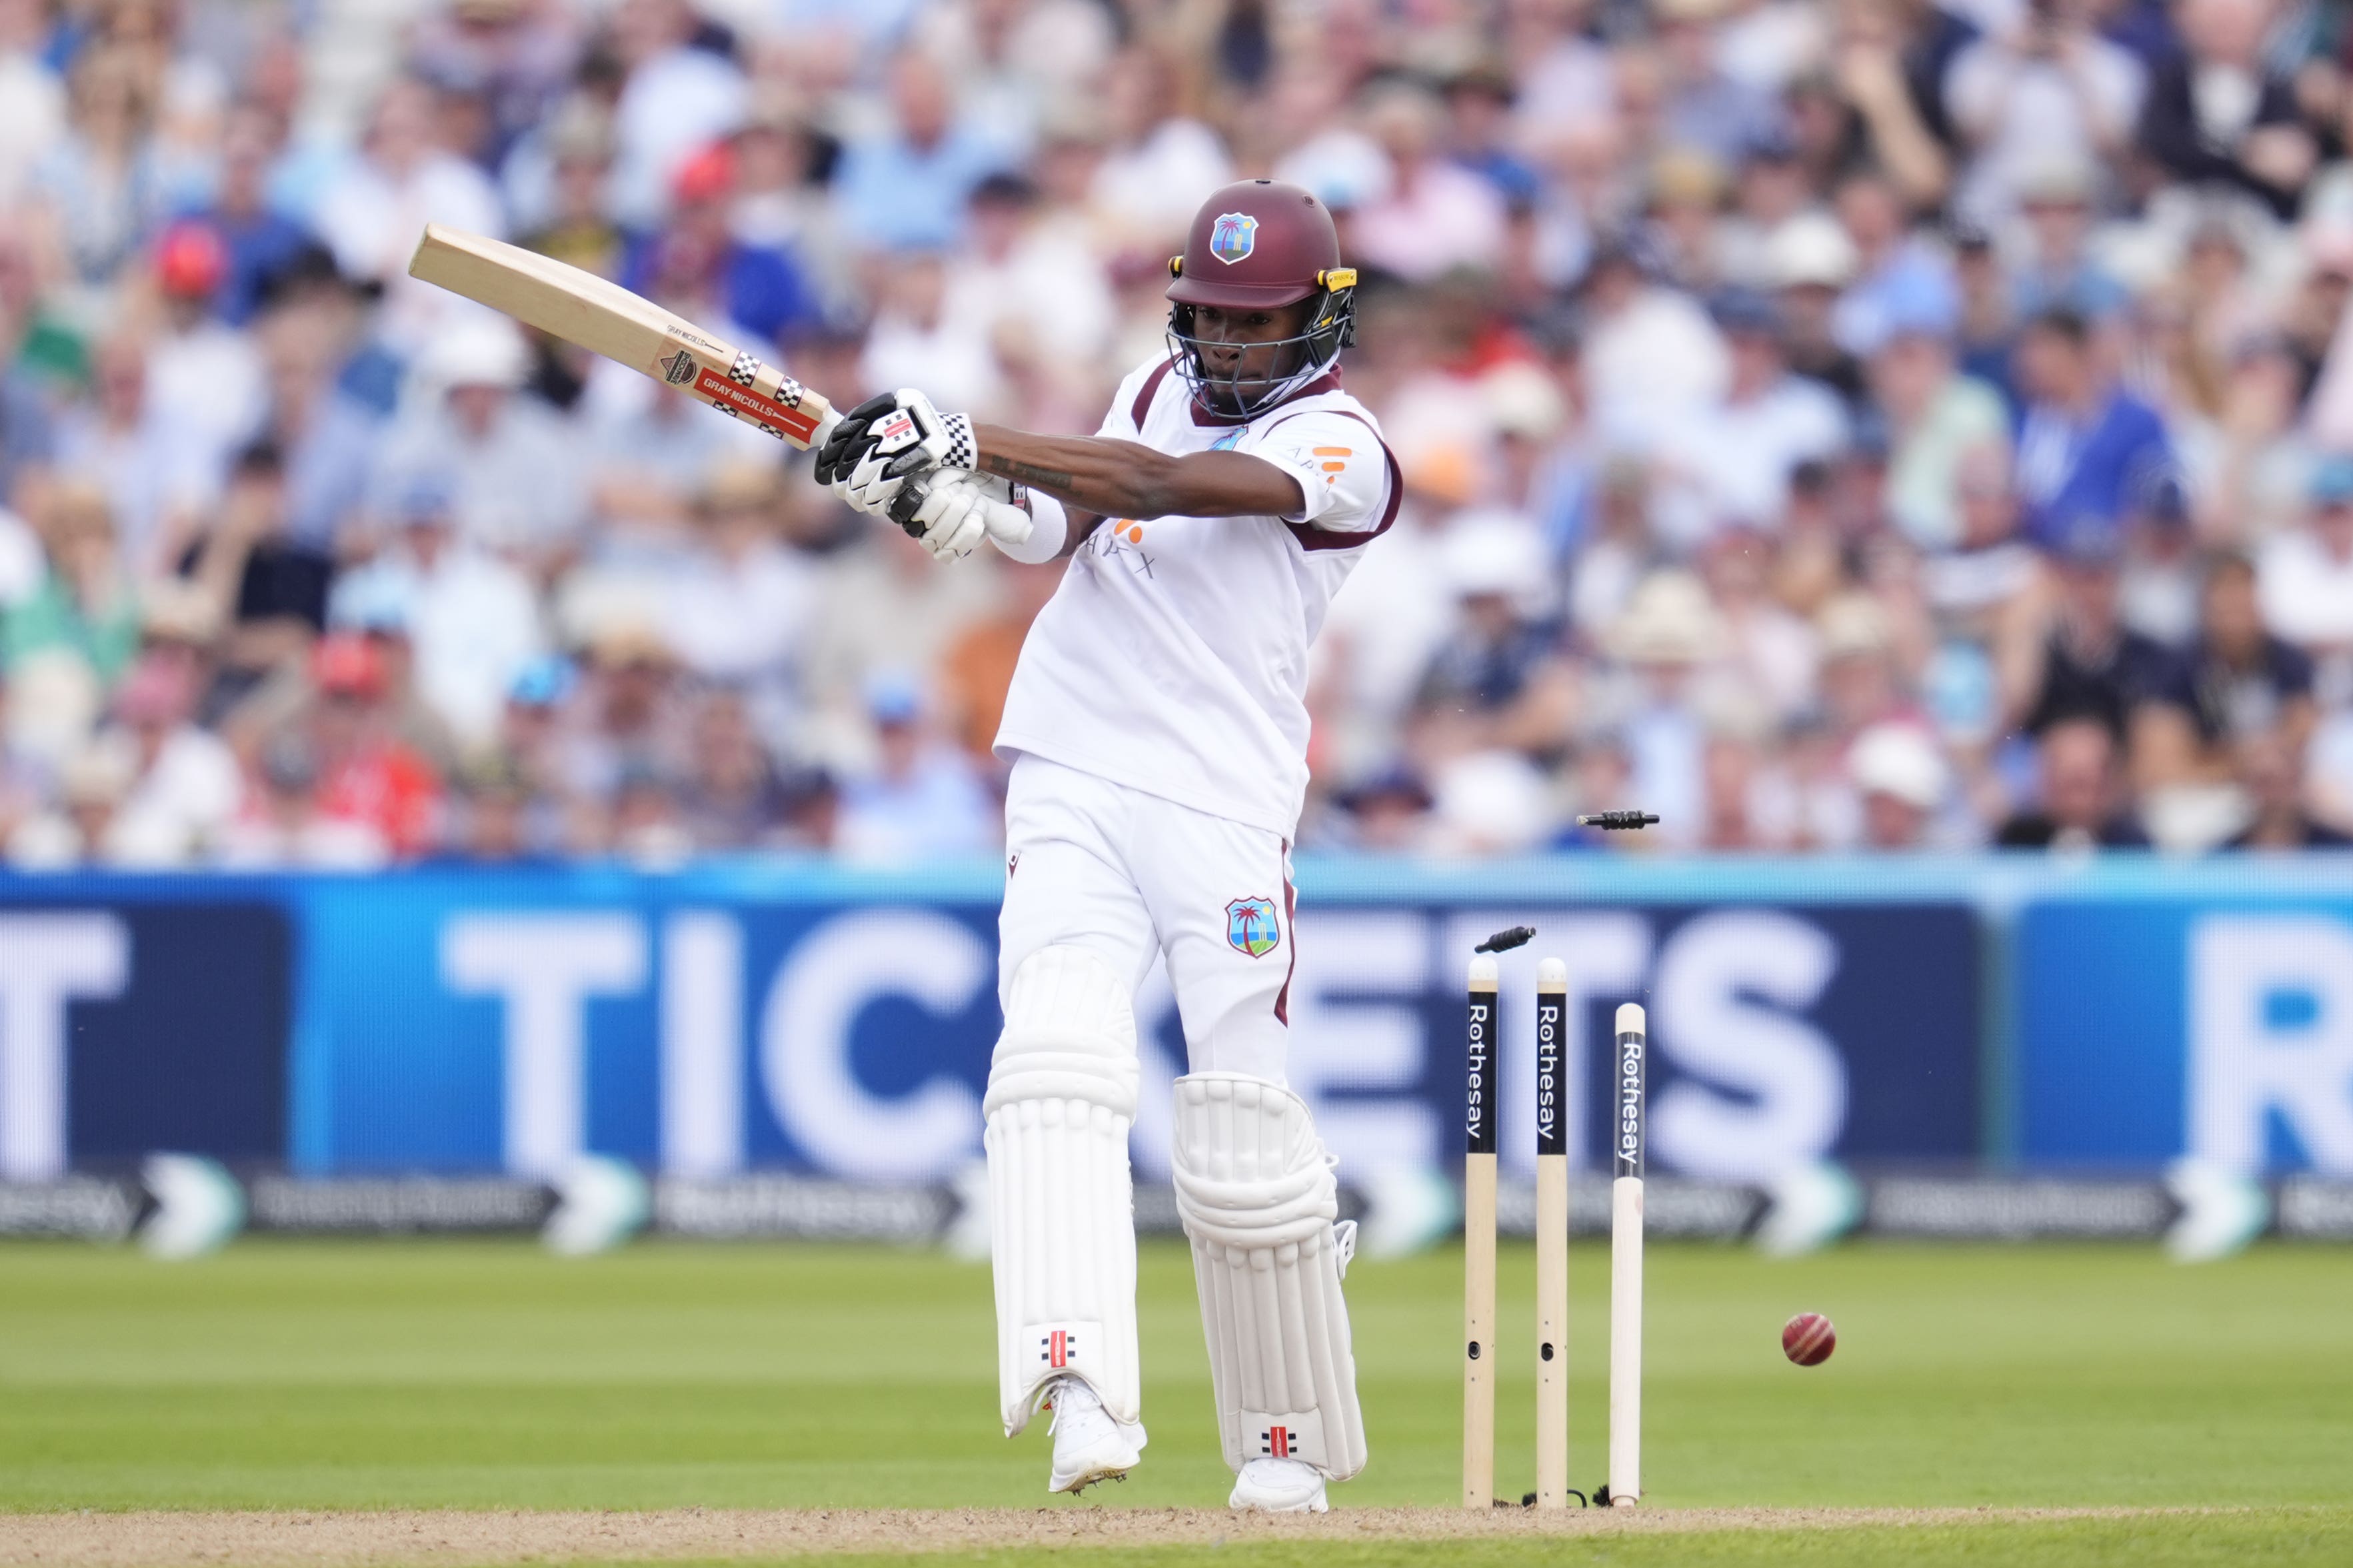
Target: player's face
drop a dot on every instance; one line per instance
(1244, 352)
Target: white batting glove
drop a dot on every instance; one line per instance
(951, 510)
(907, 436)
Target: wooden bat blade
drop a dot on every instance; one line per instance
(605, 318)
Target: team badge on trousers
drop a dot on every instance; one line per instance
(1233, 237)
(1250, 926)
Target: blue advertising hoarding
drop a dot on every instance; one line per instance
(2029, 1014)
(127, 1027)
(2219, 1029)
(705, 1029)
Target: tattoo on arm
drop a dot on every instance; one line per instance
(1028, 473)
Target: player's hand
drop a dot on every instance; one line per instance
(885, 441)
(950, 510)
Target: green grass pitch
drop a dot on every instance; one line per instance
(479, 1374)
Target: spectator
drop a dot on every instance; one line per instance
(1669, 632)
(184, 785)
(676, 99)
(2304, 577)
(700, 266)
(1901, 778)
(1936, 417)
(1898, 275)
(326, 427)
(1435, 215)
(1706, 107)
(626, 723)
(286, 828)
(2047, 87)
(2089, 664)
(2246, 680)
(204, 379)
(100, 183)
(1496, 682)
(470, 618)
(2055, 201)
(923, 798)
(2080, 791)
(2220, 113)
(490, 820)
(915, 341)
(1388, 814)
(1159, 161)
(260, 243)
(157, 475)
(738, 612)
(513, 482)
(1946, 381)
(361, 770)
(1736, 459)
(1652, 356)
(85, 609)
(731, 798)
(571, 222)
(274, 586)
(405, 178)
(904, 186)
(79, 827)
(2086, 448)
(976, 668)
(2267, 771)
(1026, 273)
(32, 97)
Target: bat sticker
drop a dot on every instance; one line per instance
(770, 415)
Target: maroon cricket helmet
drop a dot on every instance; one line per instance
(1254, 244)
(1260, 245)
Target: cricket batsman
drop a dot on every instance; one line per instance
(1156, 730)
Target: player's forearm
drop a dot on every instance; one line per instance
(1124, 478)
(1092, 473)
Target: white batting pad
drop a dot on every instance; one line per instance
(1255, 1190)
(1061, 1209)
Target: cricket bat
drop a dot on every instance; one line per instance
(605, 318)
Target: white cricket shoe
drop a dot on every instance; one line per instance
(1278, 1486)
(1088, 1444)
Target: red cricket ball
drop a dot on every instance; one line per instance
(1808, 1339)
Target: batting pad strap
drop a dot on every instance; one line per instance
(1256, 1194)
(1061, 1100)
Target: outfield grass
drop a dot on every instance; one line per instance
(476, 1375)
(472, 1375)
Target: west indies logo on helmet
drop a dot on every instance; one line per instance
(1274, 248)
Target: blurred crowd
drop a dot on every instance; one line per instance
(1831, 424)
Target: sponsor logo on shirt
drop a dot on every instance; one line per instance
(1122, 539)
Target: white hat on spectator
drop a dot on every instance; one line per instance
(1490, 803)
(1669, 620)
(1811, 249)
(479, 351)
(2058, 179)
(1490, 550)
(1522, 400)
(1852, 624)
(1901, 761)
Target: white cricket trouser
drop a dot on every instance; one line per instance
(1129, 876)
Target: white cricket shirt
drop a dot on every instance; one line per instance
(1173, 658)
